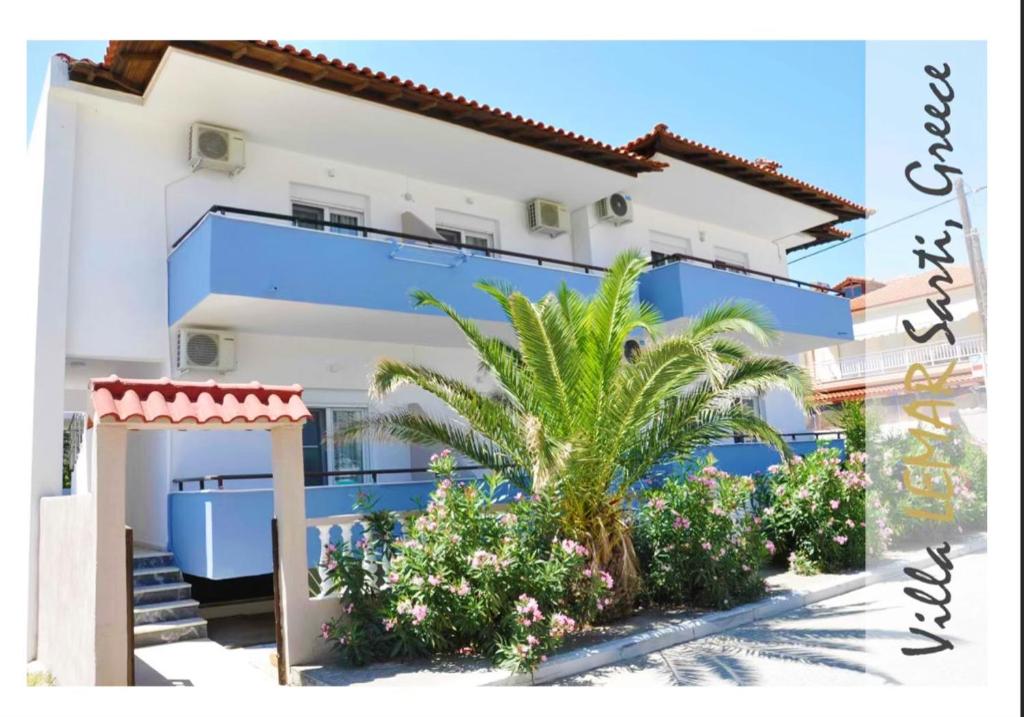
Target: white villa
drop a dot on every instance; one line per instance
(241, 211)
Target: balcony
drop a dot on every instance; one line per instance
(807, 316)
(256, 271)
(219, 525)
(965, 351)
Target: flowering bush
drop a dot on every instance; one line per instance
(890, 500)
(698, 544)
(817, 513)
(469, 578)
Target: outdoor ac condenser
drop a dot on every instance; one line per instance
(547, 217)
(205, 349)
(217, 148)
(615, 209)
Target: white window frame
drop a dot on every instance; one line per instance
(329, 210)
(669, 244)
(464, 234)
(732, 256)
(329, 428)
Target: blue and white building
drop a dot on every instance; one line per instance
(238, 211)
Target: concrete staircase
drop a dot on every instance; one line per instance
(164, 608)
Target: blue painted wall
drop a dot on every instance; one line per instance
(682, 289)
(220, 534)
(270, 261)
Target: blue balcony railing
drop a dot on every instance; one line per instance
(247, 253)
(218, 533)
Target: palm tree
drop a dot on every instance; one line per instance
(578, 418)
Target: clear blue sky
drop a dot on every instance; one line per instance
(800, 103)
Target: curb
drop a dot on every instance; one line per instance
(626, 648)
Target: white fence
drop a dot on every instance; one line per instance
(895, 360)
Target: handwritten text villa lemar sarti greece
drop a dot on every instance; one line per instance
(926, 475)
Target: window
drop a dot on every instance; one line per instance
(312, 216)
(756, 406)
(323, 450)
(665, 246)
(732, 257)
(480, 240)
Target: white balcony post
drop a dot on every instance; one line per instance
(109, 456)
(301, 635)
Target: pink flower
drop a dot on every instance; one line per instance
(609, 582)
(681, 522)
(419, 613)
(389, 625)
(841, 539)
(325, 631)
(434, 580)
(706, 545)
(770, 547)
(532, 641)
(561, 625)
(658, 504)
(834, 504)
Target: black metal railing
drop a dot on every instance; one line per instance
(737, 269)
(797, 436)
(533, 258)
(373, 473)
(365, 231)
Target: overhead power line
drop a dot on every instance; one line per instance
(836, 245)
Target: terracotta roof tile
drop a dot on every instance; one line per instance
(130, 64)
(896, 388)
(909, 287)
(661, 139)
(195, 402)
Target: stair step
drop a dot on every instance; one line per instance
(146, 558)
(166, 611)
(156, 576)
(161, 592)
(170, 631)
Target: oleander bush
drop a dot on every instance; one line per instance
(968, 463)
(816, 518)
(698, 543)
(470, 577)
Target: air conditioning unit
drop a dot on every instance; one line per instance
(547, 217)
(206, 349)
(216, 148)
(615, 209)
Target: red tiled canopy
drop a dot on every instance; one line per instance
(195, 403)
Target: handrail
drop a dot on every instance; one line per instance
(540, 260)
(374, 473)
(794, 437)
(358, 228)
(737, 269)
(890, 360)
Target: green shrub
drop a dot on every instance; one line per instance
(468, 578)
(817, 513)
(698, 544)
(890, 500)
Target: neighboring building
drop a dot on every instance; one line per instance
(143, 280)
(873, 366)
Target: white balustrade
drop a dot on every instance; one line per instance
(895, 360)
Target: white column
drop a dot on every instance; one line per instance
(111, 443)
(40, 324)
(301, 631)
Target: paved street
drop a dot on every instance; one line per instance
(853, 639)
